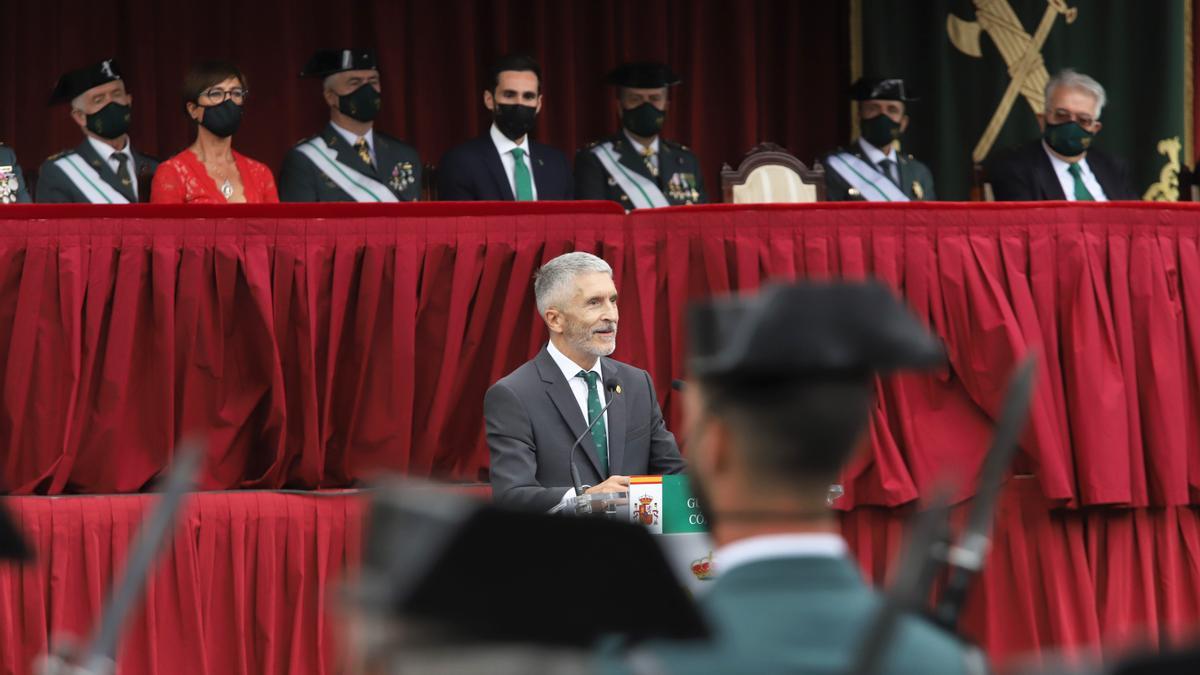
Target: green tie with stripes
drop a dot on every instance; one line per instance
(521, 176)
(1081, 191)
(599, 433)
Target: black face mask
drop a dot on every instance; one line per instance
(362, 104)
(1068, 139)
(513, 119)
(223, 119)
(644, 120)
(880, 130)
(111, 121)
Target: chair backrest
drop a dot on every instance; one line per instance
(770, 174)
(981, 187)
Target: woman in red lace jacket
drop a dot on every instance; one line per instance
(209, 171)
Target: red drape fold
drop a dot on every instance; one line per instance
(314, 345)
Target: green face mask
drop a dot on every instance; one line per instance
(1067, 139)
(880, 130)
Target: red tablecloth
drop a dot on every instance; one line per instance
(315, 344)
(248, 585)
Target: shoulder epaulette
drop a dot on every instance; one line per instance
(60, 155)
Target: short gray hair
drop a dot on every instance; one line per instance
(1075, 80)
(553, 279)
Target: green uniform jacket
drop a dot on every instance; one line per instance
(798, 615)
(912, 173)
(54, 187)
(679, 175)
(8, 193)
(398, 166)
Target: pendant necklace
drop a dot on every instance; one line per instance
(227, 189)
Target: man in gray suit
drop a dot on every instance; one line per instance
(534, 414)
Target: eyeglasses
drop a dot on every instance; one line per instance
(217, 95)
(1061, 116)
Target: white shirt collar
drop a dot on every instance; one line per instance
(352, 137)
(1062, 166)
(568, 367)
(504, 144)
(875, 154)
(106, 151)
(641, 149)
(769, 547)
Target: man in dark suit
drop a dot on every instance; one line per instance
(350, 161)
(1061, 164)
(534, 414)
(12, 179)
(871, 169)
(505, 164)
(105, 168)
(778, 400)
(638, 168)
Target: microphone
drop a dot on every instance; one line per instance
(610, 384)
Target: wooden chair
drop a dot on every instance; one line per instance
(770, 174)
(981, 187)
(429, 191)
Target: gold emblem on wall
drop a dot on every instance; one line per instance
(1022, 53)
(1167, 187)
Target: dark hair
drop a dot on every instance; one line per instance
(799, 433)
(206, 74)
(518, 62)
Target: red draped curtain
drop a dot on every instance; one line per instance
(315, 345)
(766, 70)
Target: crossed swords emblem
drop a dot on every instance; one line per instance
(1021, 51)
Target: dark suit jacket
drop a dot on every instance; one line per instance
(799, 615)
(532, 419)
(473, 172)
(397, 166)
(9, 158)
(912, 172)
(53, 186)
(1025, 174)
(679, 175)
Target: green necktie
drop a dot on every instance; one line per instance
(521, 176)
(1081, 191)
(599, 433)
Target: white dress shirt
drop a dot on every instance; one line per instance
(641, 149)
(352, 138)
(106, 153)
(579, 387)
(877, 156)
(504, 146)
(1062, 170)
(770, 547)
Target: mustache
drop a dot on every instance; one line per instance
(604, 327)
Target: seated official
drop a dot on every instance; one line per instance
(534, 414)
(505, 164)
(209, 171)
(105, 168)
(350, 161)
(778, 400)
(12, 179)
(871, 169)
(638, 168)
(1062, 164)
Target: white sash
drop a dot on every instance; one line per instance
(85, 178)
(361, 188)
(870, 183)
(643, 193)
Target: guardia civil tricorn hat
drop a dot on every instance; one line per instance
(326, 62)
(884, 89)
(76, 82)
(643, 75)
(808, 330)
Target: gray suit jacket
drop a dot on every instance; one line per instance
(532, 419)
